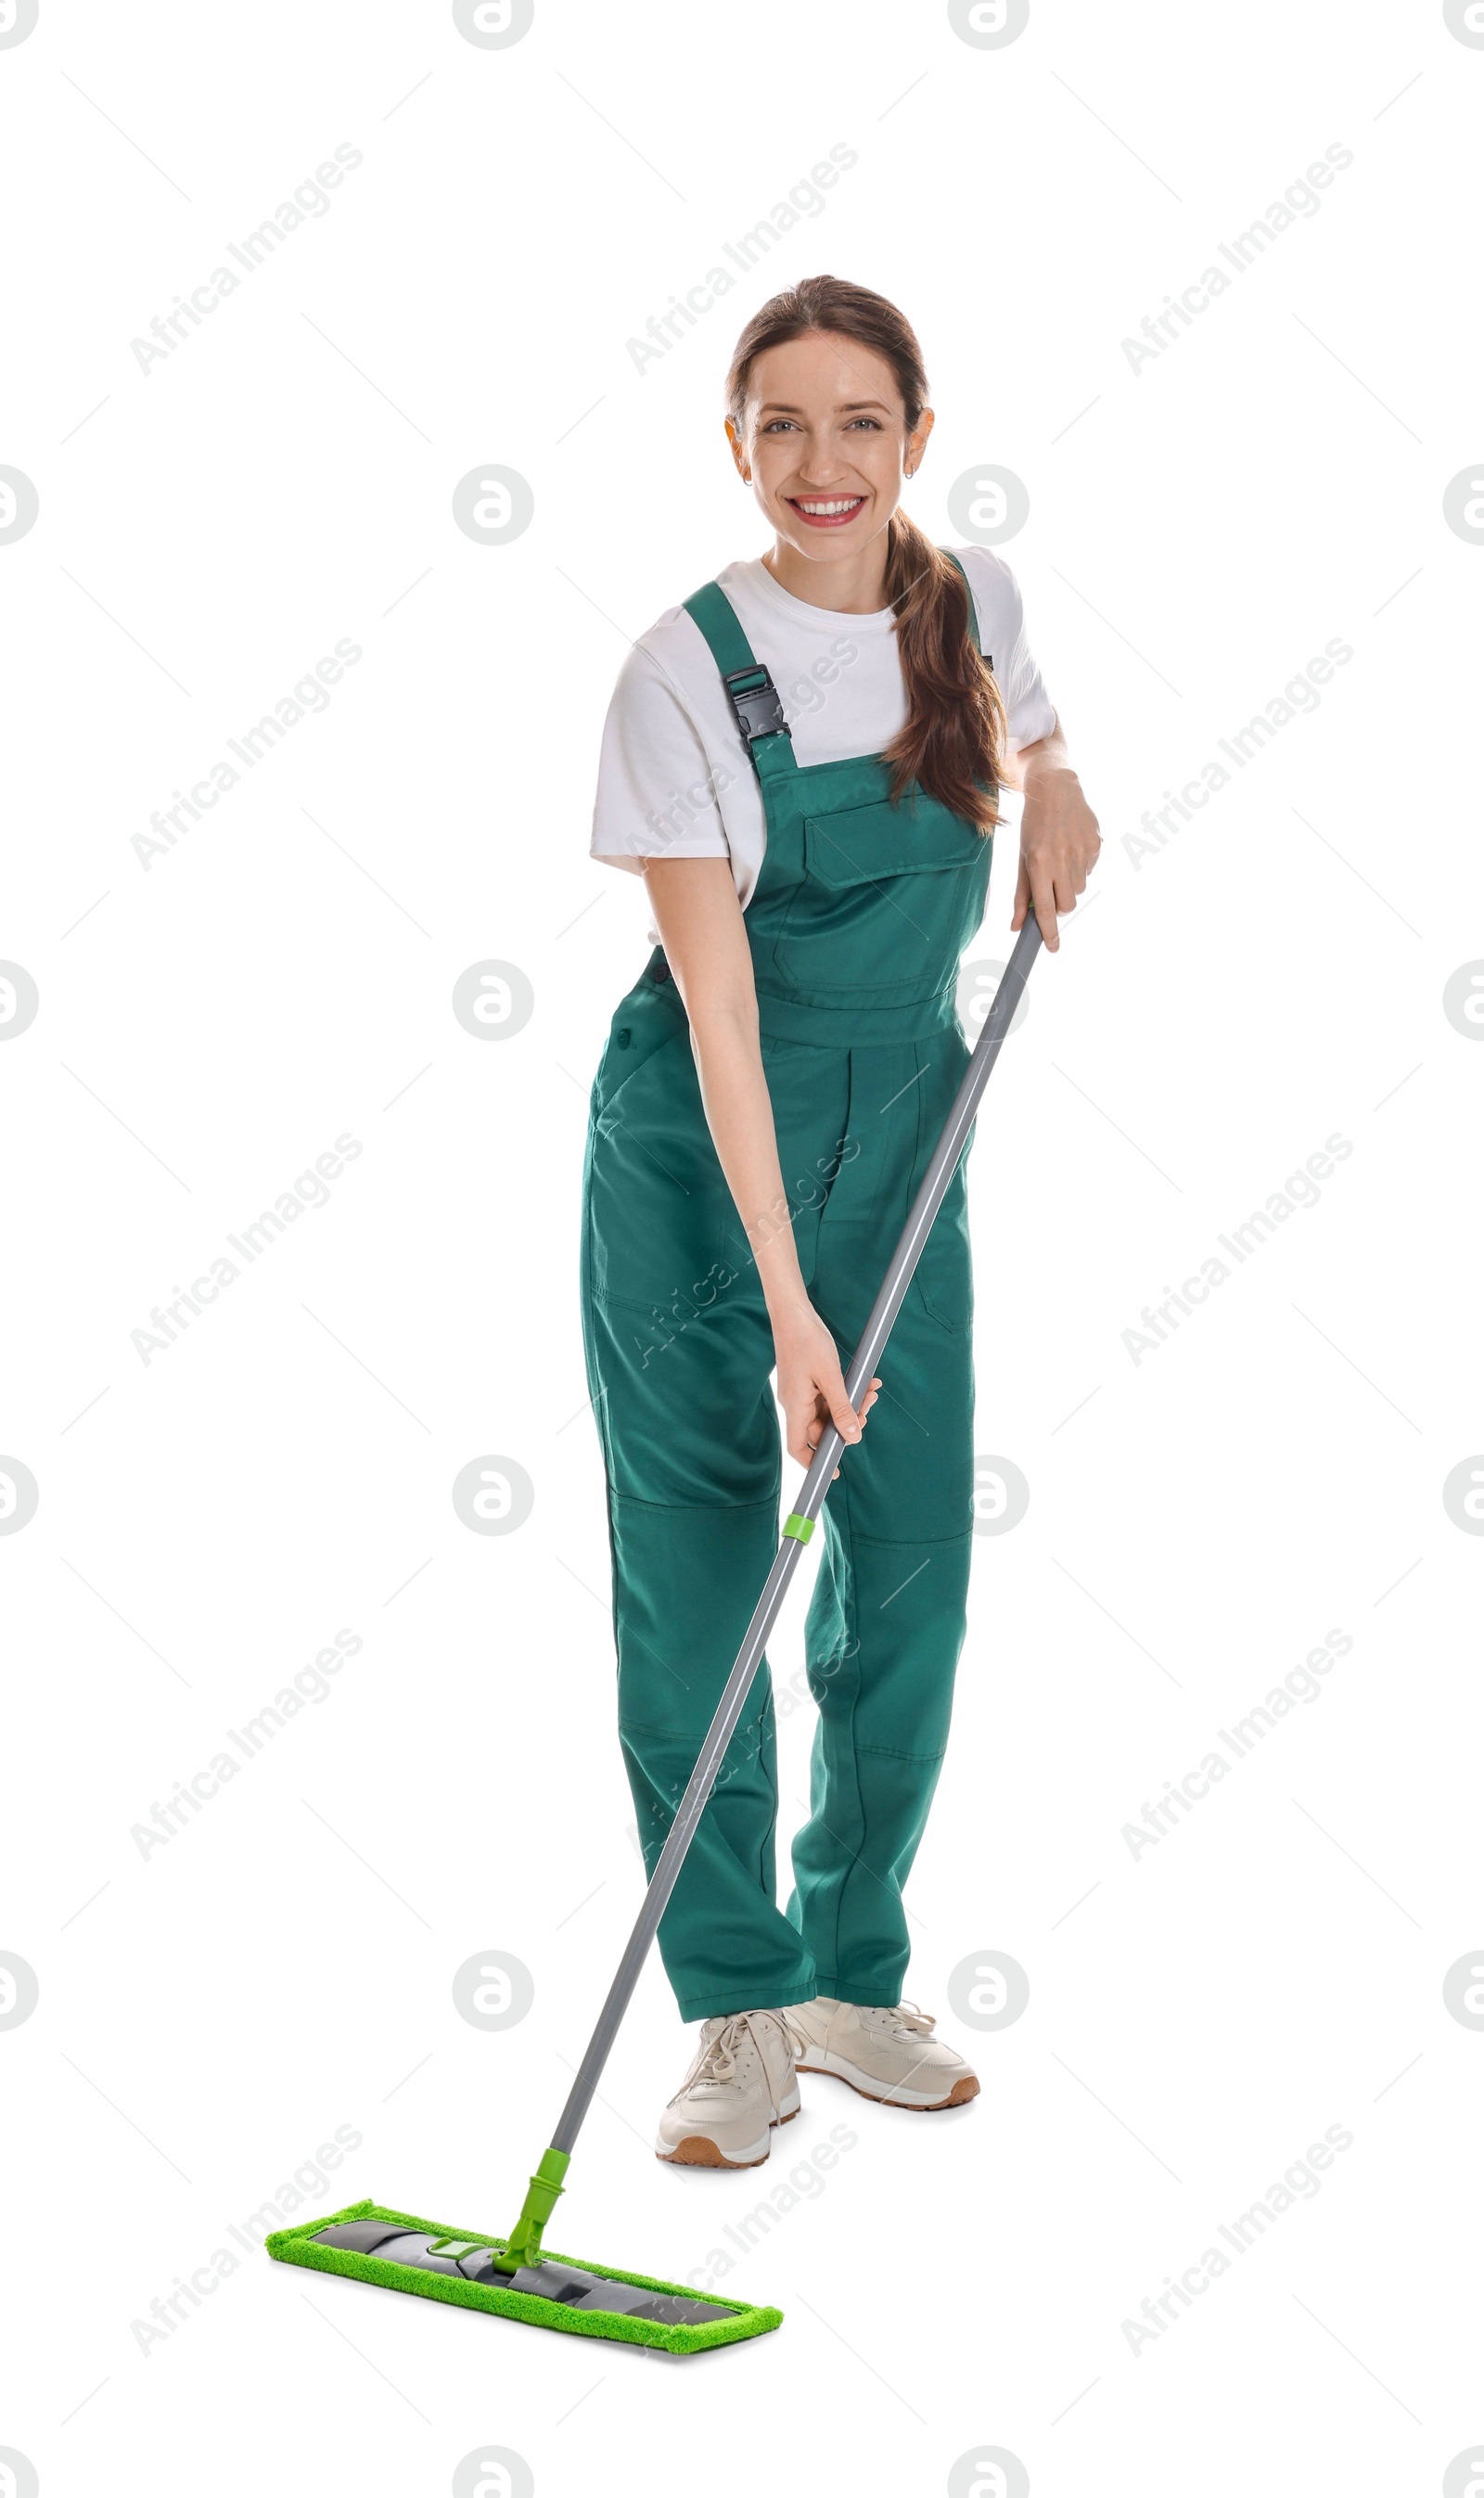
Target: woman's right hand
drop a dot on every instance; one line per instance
(811, 1384)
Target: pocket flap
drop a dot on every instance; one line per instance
(860, 845)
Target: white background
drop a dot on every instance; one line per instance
(208, 1026)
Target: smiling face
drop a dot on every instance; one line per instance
(826, 441)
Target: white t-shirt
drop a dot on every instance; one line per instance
(675, 778)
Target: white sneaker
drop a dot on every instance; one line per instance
(740, 2085)
(885, 2053)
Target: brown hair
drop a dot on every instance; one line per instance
(952, 741)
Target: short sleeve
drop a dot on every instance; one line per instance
(655, 789)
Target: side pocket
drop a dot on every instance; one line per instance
(954, 1315)
(635, 1041)
(944, 1281)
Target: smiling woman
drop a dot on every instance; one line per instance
(813, 898)
(877, 393)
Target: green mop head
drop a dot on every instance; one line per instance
(454, 2266)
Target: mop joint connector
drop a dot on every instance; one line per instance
(524, 2245)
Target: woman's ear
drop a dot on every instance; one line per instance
(735, 439)
(917, 444)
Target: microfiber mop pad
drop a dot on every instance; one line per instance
(448, 2258)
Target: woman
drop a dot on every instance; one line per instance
(802, 762)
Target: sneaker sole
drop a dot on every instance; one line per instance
(699, 2151)
(963, 2090)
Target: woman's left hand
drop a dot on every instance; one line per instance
(1059, 838)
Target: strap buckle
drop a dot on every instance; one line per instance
(755, 700)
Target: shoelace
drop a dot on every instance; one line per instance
(716, 2059)
(909, 2020)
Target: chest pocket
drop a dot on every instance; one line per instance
(890, 898)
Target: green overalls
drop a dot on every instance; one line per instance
(859, 917)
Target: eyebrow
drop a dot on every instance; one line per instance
(846, 408)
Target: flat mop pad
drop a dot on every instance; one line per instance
(368, 2242)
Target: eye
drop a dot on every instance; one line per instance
(868, 421)
(779, 425)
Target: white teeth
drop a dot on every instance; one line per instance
(824, 511)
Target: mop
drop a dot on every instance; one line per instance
(515, 2276)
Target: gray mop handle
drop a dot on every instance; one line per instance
(868, 1352)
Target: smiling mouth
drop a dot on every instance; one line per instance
(826, 511)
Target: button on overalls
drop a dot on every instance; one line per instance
(859, 917)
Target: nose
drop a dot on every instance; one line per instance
(821, 468)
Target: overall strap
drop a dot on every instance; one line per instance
(750, 688)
